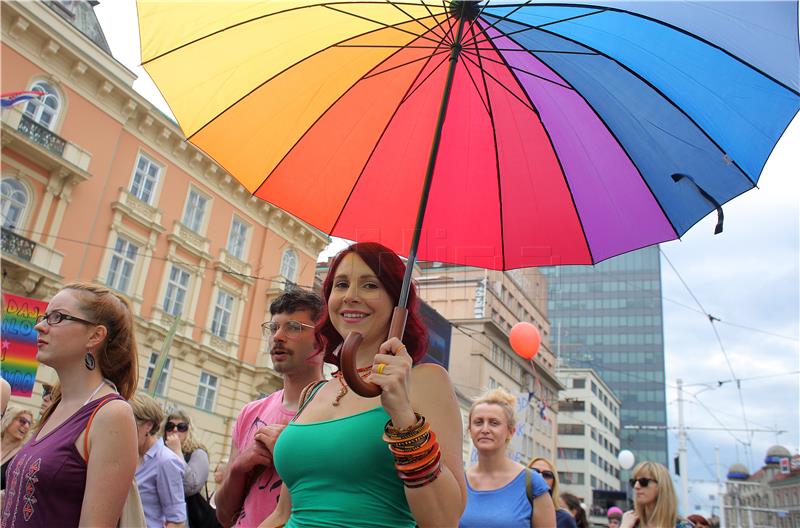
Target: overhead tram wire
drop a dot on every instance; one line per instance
(711, 320)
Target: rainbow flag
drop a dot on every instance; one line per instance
(18, 365)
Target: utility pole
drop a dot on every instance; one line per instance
(682, 453)
(720, 489)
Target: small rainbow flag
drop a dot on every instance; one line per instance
(19, 362)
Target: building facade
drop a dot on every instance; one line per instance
(483, 306)
(608, 317)
(99, 185)
(588, 438)
(768, 497)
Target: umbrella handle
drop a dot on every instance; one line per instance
(347, 357)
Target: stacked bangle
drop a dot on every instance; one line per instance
(416, 452)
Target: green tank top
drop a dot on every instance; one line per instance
(341, 474)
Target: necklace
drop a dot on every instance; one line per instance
(363, 372)
(104, 382)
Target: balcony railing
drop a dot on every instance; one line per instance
(42, 135)
(17, 245)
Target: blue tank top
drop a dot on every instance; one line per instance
(506, 507)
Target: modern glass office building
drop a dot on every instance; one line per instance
(609, 317)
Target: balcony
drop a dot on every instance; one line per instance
(43, 146)
(29, 268)
(237, 266)
(42, 135)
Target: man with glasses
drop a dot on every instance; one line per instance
(250, 489)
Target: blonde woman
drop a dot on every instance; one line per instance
(179, 437)
(16, 425)
(501, 492)
(655, 502)
(547, 470)
(66, 475)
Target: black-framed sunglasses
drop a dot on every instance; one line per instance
(292, 328)
(545, 474)
(182, 427)
(643, 481)
(55, 317)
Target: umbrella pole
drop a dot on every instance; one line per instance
(426, 186)
(347, 356)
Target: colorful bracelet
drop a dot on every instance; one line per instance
(424, 482)
(405, 433)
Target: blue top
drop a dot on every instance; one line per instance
(506, 507)
(160, 482)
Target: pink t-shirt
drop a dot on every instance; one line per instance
(262, 497)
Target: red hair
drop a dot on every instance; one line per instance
(389, 269)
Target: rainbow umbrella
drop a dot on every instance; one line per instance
(493, 134)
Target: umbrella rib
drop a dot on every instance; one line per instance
(485, 30)
(516, 68)
(449, 33)
(555, 153)
(475, 84)
(234, 103)
(371, 75)
(243, 22)
(423, 81)
(384, 24)
(496, 157)
(527, 104)
(655, 89)
(319, 117)
(377, 142)
(411, 18)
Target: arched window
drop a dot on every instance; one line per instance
(289, 265)
(44, 110)
(15, 200)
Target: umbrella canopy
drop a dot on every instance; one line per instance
(565, 126)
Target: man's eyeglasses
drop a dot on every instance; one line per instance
(182, 427)
(643, 481)
(292, 329)
(54, 318)
(545, 474)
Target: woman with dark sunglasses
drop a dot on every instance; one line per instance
(179, 437)
(655, 502)
(548, 472)
(16, 425)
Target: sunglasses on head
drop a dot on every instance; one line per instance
(181, 427)
(643, 481)
(546, 474)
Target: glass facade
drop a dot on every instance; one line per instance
(608, 317)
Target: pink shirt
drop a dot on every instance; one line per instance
(262, 497)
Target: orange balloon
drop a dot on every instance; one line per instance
(525, 340)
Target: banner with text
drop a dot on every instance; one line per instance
(19, 342)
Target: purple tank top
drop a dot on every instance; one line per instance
(46, 479)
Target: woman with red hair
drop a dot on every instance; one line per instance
(352, 461)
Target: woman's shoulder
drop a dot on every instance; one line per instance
(431, 377)
(113, 413)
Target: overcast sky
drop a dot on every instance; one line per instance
(748, 277)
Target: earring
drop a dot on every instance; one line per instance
(89, 360)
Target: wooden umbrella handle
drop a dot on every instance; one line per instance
(347, 356)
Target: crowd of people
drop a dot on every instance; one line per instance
(314, 453)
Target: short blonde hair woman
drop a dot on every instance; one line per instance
(655, 502)
(501, 492)
(547, 470)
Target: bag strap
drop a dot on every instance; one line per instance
(529, 487)
(105, 400)
(307, 395)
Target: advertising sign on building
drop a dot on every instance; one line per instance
(19, 342)
(785, 466)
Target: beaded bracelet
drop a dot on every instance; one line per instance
(405, 433)
(422, 449)
(424, 482)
